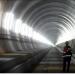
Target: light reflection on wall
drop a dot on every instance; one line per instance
(22, 28)
(0, 12)
(68, 35)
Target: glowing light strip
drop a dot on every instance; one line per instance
(0, 12)
(22, 28)
(8, 21)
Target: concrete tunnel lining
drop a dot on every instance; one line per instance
(45, 17)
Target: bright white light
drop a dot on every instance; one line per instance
(67, 36)
(8, 21)
(28, 30)
(18, 26)
(0, 13)
(22, 28)
(41, 38)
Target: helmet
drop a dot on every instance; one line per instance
(66, 42)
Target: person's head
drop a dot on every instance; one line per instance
(67, 43)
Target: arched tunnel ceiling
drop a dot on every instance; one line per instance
(48, 17)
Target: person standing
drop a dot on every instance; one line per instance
(67, 54)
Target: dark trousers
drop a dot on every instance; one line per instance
(66, 64)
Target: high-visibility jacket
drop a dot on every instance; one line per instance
(67, 52)
(66, 48)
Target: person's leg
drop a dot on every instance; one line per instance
(68, 65)
(64, 65)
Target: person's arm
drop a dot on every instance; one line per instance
(64, 53)
(71, 52)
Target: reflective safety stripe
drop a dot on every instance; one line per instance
(66, 56)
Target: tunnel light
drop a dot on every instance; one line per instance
(8, 21)
(22, 28)
(67, 36)
(28, 31)
(41, 38)
(0, 13)
(18, 25)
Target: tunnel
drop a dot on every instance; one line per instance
(33, 35)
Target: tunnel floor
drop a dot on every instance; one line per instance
(53, 63)
(46, 68)
(37, 62)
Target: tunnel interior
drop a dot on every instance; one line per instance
(33, 32)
